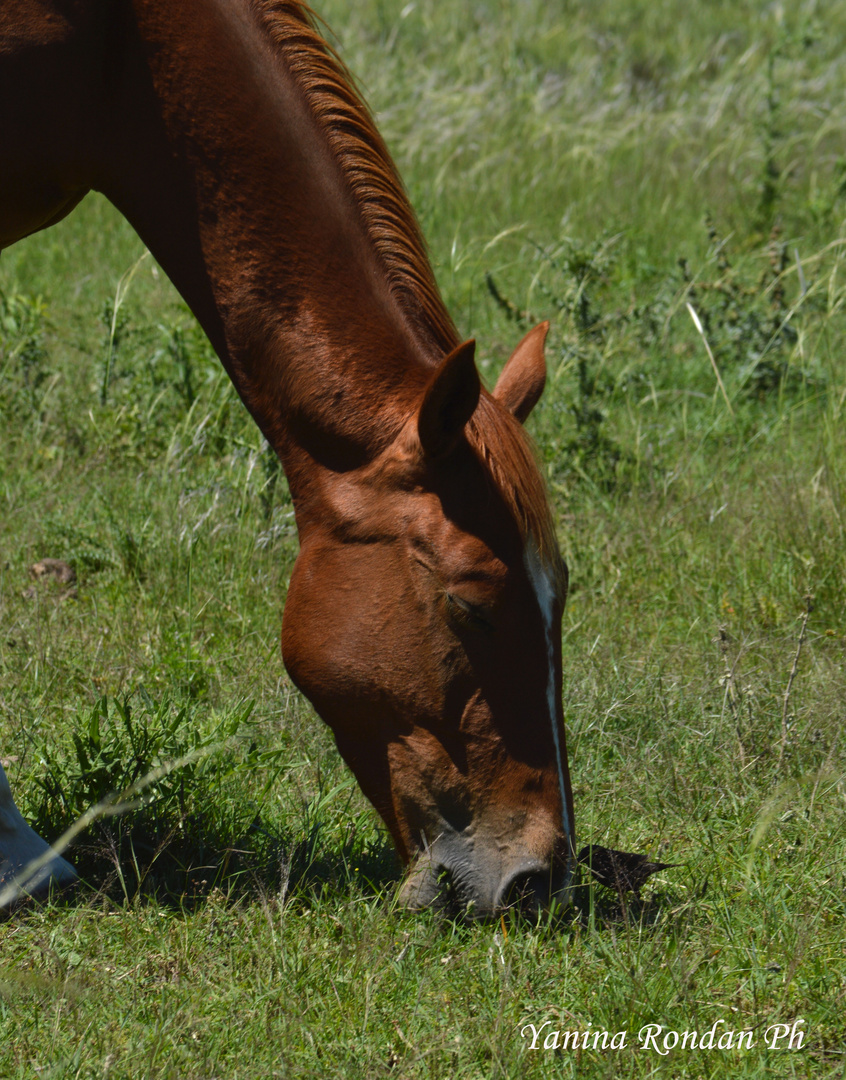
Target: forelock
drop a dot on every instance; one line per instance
(508, 456)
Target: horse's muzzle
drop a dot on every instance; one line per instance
(462, 885)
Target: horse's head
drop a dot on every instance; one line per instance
(423, 621)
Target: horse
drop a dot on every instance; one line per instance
(423, 617)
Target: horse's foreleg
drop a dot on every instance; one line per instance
(21, 852)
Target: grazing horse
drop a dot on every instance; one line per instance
(423, 619)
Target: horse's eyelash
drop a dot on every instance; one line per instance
(467, 612)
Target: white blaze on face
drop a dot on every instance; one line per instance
(27, 862)
(543, 584)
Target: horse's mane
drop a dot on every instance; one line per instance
(361, 154)
(365, 163)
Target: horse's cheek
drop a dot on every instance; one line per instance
(345, 645)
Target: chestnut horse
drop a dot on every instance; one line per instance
(423, 618)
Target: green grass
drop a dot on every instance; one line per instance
(603, 165)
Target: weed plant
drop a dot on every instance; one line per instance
(612, 168)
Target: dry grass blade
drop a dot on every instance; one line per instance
(806, 614)
(697, 323)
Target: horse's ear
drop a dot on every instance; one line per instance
(449, 401)
(522, 380)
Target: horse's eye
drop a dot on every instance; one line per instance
(473, 615)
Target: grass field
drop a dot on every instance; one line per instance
(604, 166)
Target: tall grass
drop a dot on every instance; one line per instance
(602, 165)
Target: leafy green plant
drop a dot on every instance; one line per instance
(161, 770)
(123, 740)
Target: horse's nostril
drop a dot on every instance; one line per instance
(527, 892)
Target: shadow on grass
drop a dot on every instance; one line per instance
(131, 861)
(181, 864)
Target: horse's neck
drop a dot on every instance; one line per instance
(229, 180)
